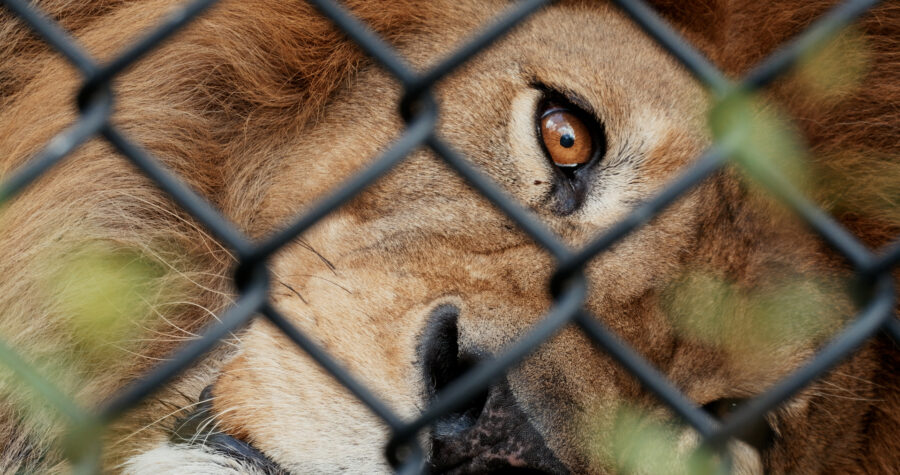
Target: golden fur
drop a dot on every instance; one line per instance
(262, 106)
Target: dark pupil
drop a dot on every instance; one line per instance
(567, 140)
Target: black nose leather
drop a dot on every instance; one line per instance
(490, 433)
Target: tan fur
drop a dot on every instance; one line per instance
(262, 107)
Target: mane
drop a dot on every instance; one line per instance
(853, 138)
(852, 132)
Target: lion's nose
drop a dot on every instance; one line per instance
(490, 433)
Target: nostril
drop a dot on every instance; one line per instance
(440, 347)
(443, 361)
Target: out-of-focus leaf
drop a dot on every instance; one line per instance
(104, 294)
(761, 139)
(632, 441)
(862, 185)
(836, 69)
(790, 312)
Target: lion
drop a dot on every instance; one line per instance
(263, 107)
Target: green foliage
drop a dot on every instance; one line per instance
(747, 323)
(104, 295)
(97, 299)
(835, 69)
(761, 139)
(636, 442)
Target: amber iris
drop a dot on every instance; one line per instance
(566, 138)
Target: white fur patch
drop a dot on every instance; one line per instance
(179, 459)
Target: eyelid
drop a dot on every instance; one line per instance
(568, 96)
(584, 105)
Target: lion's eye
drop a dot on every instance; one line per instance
(572, 140)
(568, 134)
(567, 139)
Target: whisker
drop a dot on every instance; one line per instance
(157, 421)
(313, 276)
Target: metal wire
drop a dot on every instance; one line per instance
(568, 284)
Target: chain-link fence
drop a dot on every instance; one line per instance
(419, 109)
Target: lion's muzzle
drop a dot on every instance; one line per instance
(491, 433)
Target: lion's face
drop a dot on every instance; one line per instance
(580, 118)
(419, 279)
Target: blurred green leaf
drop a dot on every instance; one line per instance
(82, 446)
(635, 442)
(105, 294)
(747, 324)
(862, 185)
(700, 306)
(761, 139)
(97, 299)
(836, 69)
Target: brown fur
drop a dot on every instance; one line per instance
(262, 106)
